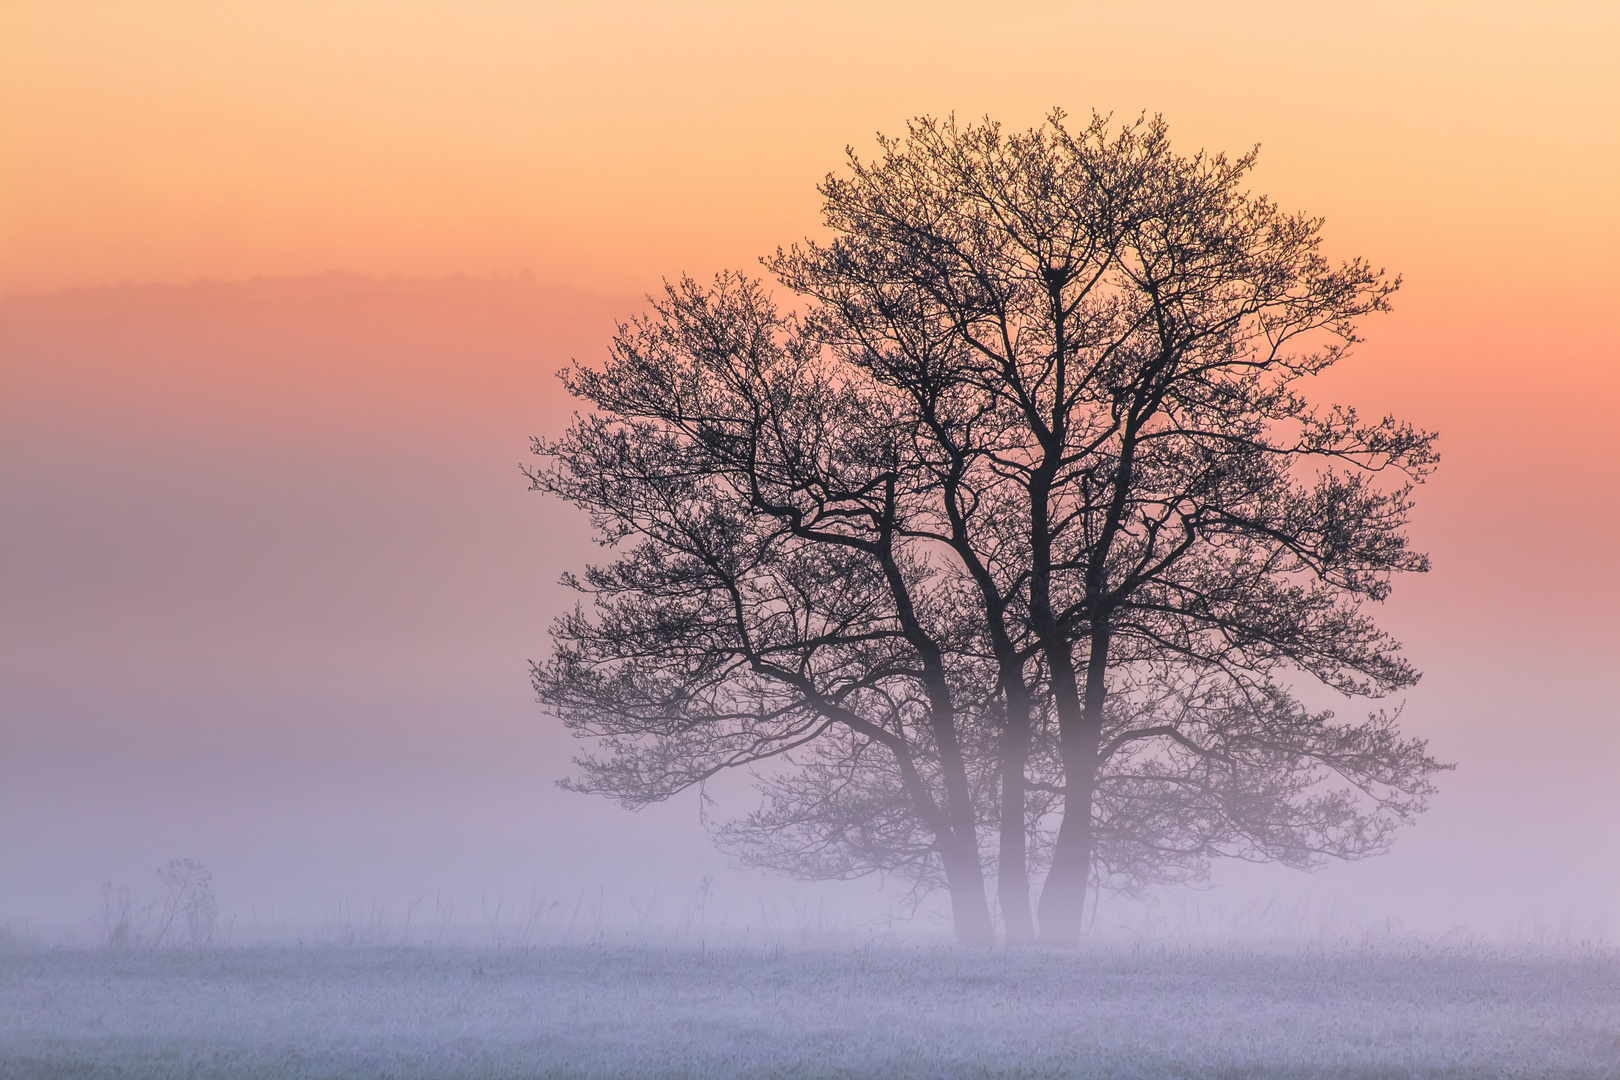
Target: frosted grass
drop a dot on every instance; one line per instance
(1119, 1011)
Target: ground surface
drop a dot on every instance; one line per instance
(584, 1012)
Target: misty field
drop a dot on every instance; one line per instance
(1118, 1011)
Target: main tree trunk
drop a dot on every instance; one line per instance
(1063, 896)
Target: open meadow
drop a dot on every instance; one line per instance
(1109, 1011)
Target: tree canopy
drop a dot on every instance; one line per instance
(1021, 524)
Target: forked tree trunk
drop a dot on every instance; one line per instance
(1063, 895)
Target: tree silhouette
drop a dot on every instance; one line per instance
(1027, 516)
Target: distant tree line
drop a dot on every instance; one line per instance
(997, 553)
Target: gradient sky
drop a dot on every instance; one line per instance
(283, 288)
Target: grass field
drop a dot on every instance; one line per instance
(1117, 1011)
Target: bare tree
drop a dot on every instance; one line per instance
(1025, 520)
(1102, 345)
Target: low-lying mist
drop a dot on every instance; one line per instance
(272, 576)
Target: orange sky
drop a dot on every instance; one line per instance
(226, 493)
(603, 145)
(1470, 147)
